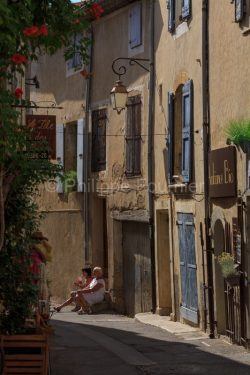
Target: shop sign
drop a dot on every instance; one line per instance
(222, 172)
(43, 129)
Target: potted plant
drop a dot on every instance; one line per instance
(238, 132)
(70, 181)
(228, 269)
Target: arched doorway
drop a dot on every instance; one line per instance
(219, 284)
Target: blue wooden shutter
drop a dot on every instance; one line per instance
(80, 156)
(135, 24)
(170, 136)
(171, 15)
(60, 152)
(187, 131)
(239, 10)
(186, 9)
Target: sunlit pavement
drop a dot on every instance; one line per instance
(114, 344)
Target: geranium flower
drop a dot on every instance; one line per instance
(18, 92)
(96, 10)
(85, 73)
(43, 30)
(18, 59)
(31, 31)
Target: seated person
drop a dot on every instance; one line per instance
(87, 278)
(93, 293)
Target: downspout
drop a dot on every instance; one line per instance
(151, 113)
(86, 184)
(206, 148)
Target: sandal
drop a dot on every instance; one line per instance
(81, 312)
(57, 309)
(75, 309)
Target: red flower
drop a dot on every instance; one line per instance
(43, 30)
(18, 92)
(18, 59)
(96, 10)
(31, 31)
(76, 21)
(85, 73)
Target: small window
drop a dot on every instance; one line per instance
(99, 119)
(180, 134)
(133, 136)
(239, 10)
(178, 11)
(75, 64)
(135, 26)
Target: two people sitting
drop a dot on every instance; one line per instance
(89, 293)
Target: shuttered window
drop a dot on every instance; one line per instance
(180, 134)
(133, 136)
(186, 9)
(59, 153)
(178, 11)
(135, 25)
(99, 119)
(239, 10)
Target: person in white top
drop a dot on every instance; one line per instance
(93, 293)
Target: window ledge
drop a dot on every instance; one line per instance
(176, 186)
(181, 29)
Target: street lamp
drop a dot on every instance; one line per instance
(118, 96)
(119, 92)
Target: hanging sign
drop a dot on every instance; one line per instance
(43, 129)
(222, 172)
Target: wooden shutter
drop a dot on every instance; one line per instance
(171, 15)
(79, 153)
(170, 138)
(239, 10)
(133, 136)
(135, 25)
(60, 152)
(186, 9)
(187, 130)
(99, 118)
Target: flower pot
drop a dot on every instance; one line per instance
(233, 280)
(24, 354)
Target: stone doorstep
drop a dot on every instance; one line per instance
(165, 323)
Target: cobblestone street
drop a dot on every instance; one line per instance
(114, 344)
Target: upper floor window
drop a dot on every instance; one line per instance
(180, 134)
(178, 11)
(99, 119)
(133, 136)
(75, 64)
(135, 25)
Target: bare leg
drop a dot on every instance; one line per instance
(67, 302)
(82, 302)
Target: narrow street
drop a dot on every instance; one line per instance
(114, 344)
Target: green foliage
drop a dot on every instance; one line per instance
(226, 262)
(238, 131)
(70, 181)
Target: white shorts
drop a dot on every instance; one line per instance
(93, 298)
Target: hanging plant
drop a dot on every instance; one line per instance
(238, 132)
(226, 262)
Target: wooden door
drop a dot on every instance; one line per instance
(188, 267)
(136, 268)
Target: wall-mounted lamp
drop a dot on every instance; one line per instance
(119, 92)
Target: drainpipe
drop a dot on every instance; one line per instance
(151, 113)
(206, 148)
(86, 185)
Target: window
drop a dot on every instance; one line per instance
(178, 11)
(75, 64)
(135, 26)
(69, 153)
(180, 133)
(99, 118)
(239, 10)
(133, 136)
